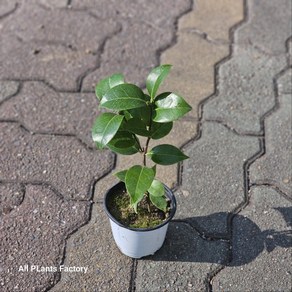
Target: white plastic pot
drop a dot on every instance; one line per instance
(138, 242)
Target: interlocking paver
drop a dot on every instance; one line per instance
(34, 233)
(193, 56)
(246, 90)
(213, 177)
(42, 109)
(245, 82)
(284, 82)
(260, 30)
(55, 45)
(275, 166)
(93, 246)
(147, 30)
(182, 264)
(7, 89)
(261, 246)
(11, 196)
(7, 7)
(63, 162)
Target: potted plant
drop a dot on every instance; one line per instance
(139, 206)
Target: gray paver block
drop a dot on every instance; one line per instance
(11, 196)
(213, 177)
(42, 109)
(34, 234)
(7, 7)
(285, 82)
(274, 166)
(262, 242)
(246, 90)
(63, 162)
(182, 264)
(57, 45)
(7, 89)
(93, 246)
(268, 25)
(126, 52)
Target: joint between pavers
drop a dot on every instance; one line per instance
(99, 52)
(18, 90)
(272, 185)
(132, 283)
(43, 133)
(11, 11)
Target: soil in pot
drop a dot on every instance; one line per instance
(148, 215)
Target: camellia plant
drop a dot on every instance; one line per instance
(134, 114)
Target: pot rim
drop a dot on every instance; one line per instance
(120, 184)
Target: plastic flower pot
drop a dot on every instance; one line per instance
(138, 242)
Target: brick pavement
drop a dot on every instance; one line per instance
(232, 62)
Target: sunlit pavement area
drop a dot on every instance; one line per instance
(231, 61)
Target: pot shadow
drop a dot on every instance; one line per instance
(184, 244)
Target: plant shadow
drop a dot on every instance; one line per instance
(184, 244)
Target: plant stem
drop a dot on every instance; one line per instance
(145, 150)
(137, 140)
(148, 139)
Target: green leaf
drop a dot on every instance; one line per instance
(136, 126)
(123, 143)
(156, 189)
(159, 202)
(155, 78)
(106, 84)
(160, 130)
(105, 128)
(166, 154)
(170, 107)
(123, 97)
(138, 181)
(121, 175)
(142, 113)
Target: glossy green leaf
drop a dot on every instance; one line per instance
(136, 126)
(156, 189)
(105, 128)
(142, 113)
(155, 78)
(121, 175)
(160, 130)
(123, 143)
(106, 84)
(159, 202)
(166, 154)
(123, 97)
(138, 181)
(170, 107)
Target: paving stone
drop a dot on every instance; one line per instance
(260, 30)
(63, 162)
(225, 14)
(34, 234)
(42, 109)
(127, 52)
(212, 179)
(53, 3)
(246, 90)
(11, 196)
(262, 242)
(182, 264)
(274, 167)
(7, 89)
(56, 45)
(7, 7)
(192, 74)
(284, 82)
(93, 246)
